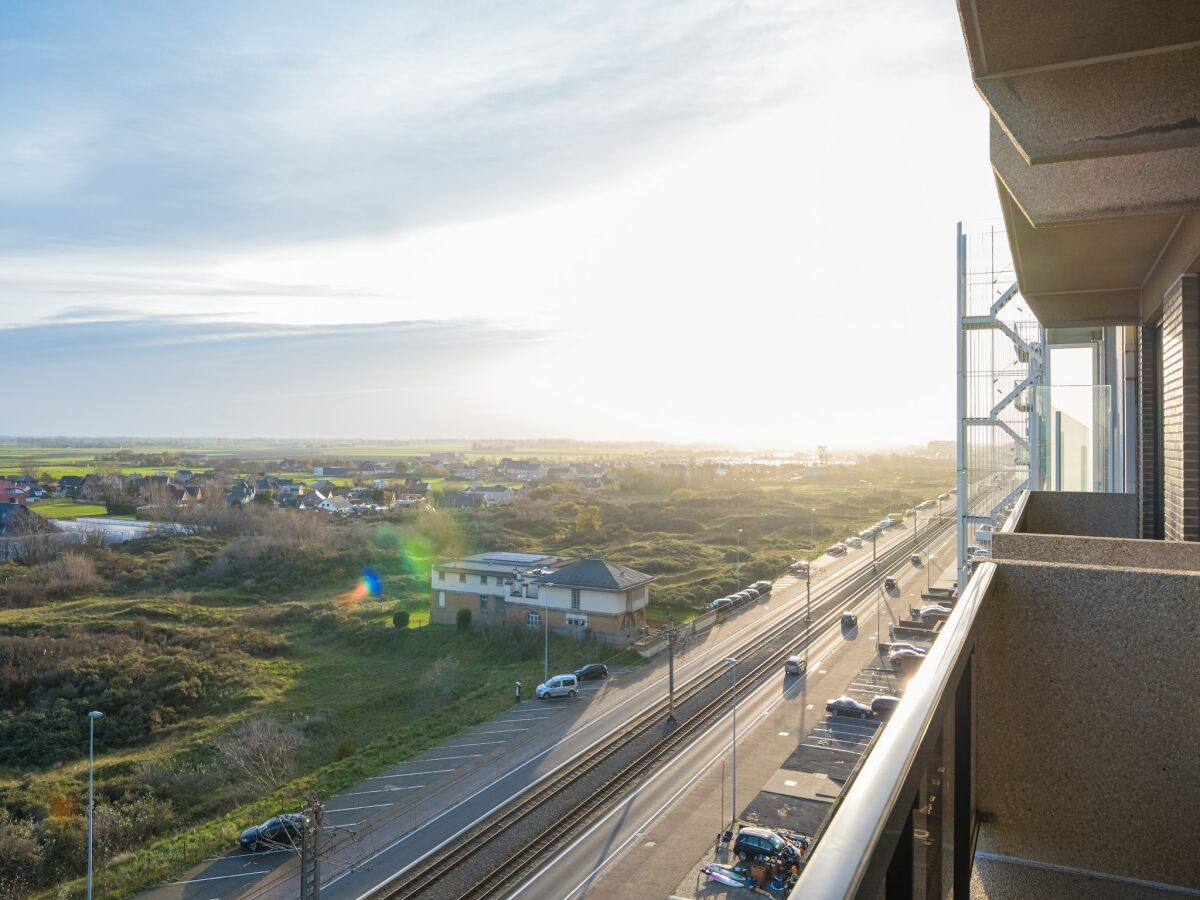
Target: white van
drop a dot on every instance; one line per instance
(558, 686)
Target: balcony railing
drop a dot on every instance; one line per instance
(905, 824)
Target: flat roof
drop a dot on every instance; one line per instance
(512, 559)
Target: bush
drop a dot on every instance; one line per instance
(400, 618)
(463, 619)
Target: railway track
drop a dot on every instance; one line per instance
(647, 741)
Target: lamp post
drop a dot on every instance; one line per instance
(732, 663)
(92, 717)
(812, 527)
(737, 571)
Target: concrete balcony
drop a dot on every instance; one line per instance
(1049, 748)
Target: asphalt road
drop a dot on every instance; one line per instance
(830, 745)
(382, 825)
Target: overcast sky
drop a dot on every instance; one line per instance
(686, 221)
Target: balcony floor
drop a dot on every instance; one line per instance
(1005, 879)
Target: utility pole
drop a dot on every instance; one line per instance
(92, 717)
(671, 671)
(310, 857)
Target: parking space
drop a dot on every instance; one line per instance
(399, 783)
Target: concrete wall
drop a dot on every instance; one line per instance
(1098, 551)
(1075, 512)
(1087, 720)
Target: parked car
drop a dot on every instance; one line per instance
(800, 567)
(853, 541)
(896, 657)
(591, 672)
(753, 842)
(848, 706)
(980, 553)
(282, 830)
(849, 620)
(913, 647)
(911, 511)
(889, 583)
(933, 612)
(721, 603)
(884, 705)
(763, 587)
(795, 665)
(836, 550)
(748, 594)
(886, 523)
(558, 686)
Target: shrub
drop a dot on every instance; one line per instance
(400, 618)
(463, 619)
(344, 749)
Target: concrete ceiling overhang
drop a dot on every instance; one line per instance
(1095, 146)
(1076, 79)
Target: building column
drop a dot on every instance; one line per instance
(1181, 410)
(1149, 437)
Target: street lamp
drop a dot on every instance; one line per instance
(812, 527)
(732, 663)
(737, 572)
(92, 717)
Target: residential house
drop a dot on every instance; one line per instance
(13, 494)
(183, 475)
(240, 493)
(69, 484)
(464, 473)
(339, 505)
(496, 495)
(325, 486)
(578, 597)
(309, 500)
(461, 500)
(417, 486)
(380, 484)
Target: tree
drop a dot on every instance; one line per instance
(463, 619)
(400, 618)
(261, 750)
(588, 522)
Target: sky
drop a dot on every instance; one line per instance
(697, 221)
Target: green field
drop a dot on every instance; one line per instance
(67, 509)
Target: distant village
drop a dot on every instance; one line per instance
(350, 488)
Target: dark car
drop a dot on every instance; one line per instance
(754, 842)
(849, 620)
(848, 706)
(276, 832)
(884, 705)
(889, 582)
(591, 671)
(763, 587)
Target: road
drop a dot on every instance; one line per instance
(784, 718)
(382, 825)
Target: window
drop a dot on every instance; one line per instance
(462, 576)
(574, 598)
(483, 579)
(441, 599)
(441, 575)
(576, 621)
(483, 604)
(534, 620)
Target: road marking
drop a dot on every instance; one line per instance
(216, 877)
(352, 808)
(476, 744)
(525, 719)
(407, 774)
(833, 749)
(447, 758)
(244, 855)
(784, 733)
(407, 787)
(346, 825)
(502, 731)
